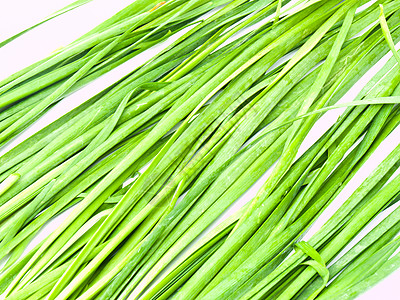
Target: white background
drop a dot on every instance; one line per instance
(17, 15)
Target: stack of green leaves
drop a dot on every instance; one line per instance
(211, 118)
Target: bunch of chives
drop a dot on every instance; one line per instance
(146, 212)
